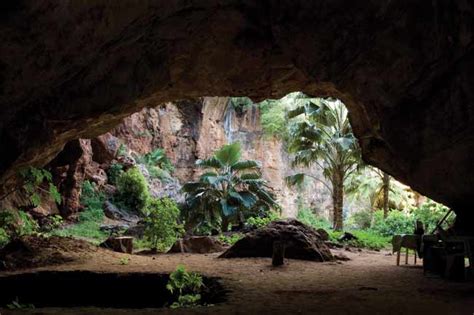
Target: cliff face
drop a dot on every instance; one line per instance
(208, 124)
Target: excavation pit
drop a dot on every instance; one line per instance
(94, 289)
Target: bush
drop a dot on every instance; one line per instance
(230, 239)
(258, 222)
(114, 172)
(396, 222)
(361, 219)
(17, 223)
(306, 216)
(370, 239)
(4, 237)
(430, 213)
(162, 228)
(132, 191)
(158, 164)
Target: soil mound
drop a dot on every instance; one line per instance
(301, 242)
(36, 251)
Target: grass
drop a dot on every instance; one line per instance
(365, 239)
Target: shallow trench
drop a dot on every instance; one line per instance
(96, 289)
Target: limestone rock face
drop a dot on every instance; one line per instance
(301, 242)
(404, 68)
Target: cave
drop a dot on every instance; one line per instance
(75, 70)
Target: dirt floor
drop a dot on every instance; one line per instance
(370, 283)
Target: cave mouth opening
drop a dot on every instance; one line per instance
(98, 289)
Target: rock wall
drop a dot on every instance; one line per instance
(206, 125)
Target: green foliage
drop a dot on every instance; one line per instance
(258, 222)
(122, 150)
(230, 239)
(240, 103)
(186, 286)
(17, 223)
(361, 219)
(162, 228)
(33, 178)
(114, 172)
(306, 216)
(16, 305)
(396, 222)
(369, 239)
(430, 213)
(89, 221)
(4, 237)
(157, 164)
(228, 190)
(132, 191)
(124, 261)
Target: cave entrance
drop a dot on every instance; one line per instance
(97, 289)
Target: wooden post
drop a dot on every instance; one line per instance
(278, 253)
(398, 257)
(415, 255)
(406, 257)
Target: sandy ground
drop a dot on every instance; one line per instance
(370, 283)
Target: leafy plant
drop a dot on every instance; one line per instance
(33, 178)
(17, 223)
(430, 213)
(230, 239)
(396, 222)
(124, 261)
(122, 150)
(132, 191)
(307, 216)
(4, 237)
(258, 222)
(320, 134)
(114, 172)
(157, 164)
(228, 188)
(186, 286)
(16, 305)
(162, 228)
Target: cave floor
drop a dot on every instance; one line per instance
(370, 283)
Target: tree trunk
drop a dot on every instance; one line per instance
(338, 200)
(386, 190)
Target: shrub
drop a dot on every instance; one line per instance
(258, 222)
(306, 216)
(370, 239)
(33, 178)
(186, 285)
(17, 223)
(230, 240)
(162, 228)
(4, 237)
(430, 213)
(157, 164)
(396, 222)
(361, 219)
(114, 172)
(132, 191)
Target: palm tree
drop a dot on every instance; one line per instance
(227, 189)
(322, 135)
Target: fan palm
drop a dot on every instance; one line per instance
(227, 189)
(320, 134)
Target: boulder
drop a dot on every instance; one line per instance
(121, 244)
(197, 245)
(323, 233)
(301, 242)
(113, 212)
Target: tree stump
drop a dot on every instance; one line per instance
(278, 253)
(121, 244)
